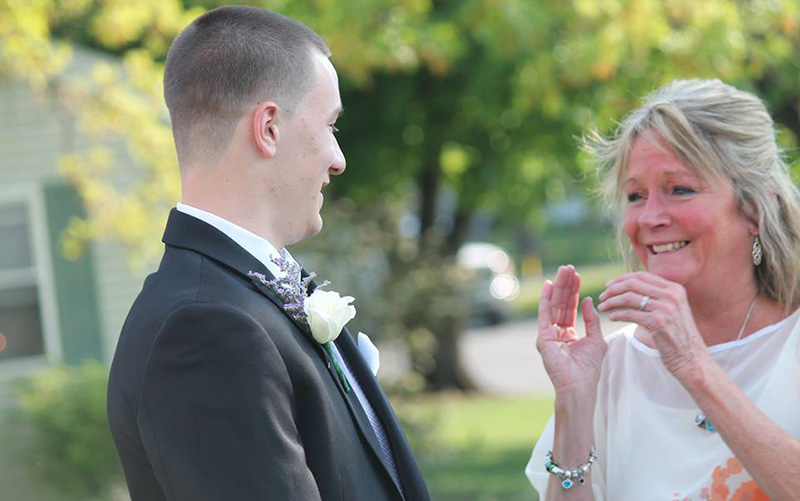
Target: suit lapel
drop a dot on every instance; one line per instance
(407, 466)
(349, 351)
(188, 232)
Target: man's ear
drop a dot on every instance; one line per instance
(265, 128)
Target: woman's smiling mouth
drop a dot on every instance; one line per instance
(668, 247)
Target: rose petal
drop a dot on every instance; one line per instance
(319, 326)
(345, 315)
(333, 328)
(327, 314)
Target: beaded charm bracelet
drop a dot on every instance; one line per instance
(568, 476)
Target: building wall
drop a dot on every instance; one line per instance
(118, 285)
(31, 136)
(34, 133)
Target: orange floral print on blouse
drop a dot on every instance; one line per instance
(747, 491)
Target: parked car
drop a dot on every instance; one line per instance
(492, 283)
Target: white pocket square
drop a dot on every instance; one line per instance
(370, 353)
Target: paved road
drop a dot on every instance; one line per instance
(503, 359)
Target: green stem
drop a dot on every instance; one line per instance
(342, 378)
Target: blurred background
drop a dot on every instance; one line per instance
(465, 188)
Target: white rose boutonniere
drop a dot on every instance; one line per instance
(324, 313)
(327, 313)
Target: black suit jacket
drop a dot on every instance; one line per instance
(215, 394)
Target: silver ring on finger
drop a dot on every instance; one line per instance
(643, 302)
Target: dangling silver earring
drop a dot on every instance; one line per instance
(757, 252)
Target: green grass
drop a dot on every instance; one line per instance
(476, 447)
(593, 281)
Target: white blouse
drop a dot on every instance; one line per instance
(647, 444)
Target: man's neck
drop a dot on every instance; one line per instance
(217, 219)
(240, 212)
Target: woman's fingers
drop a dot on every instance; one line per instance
(545, 319)
(637, 291)
(636, 284)
(591, 318)
(557, 298)
(572, 307)
(632, 316)
(641, 276)
(562, 295)
(631, 299)
(548, 333)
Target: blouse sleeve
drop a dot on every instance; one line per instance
(535, 471)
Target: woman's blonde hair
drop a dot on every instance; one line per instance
(721, 133)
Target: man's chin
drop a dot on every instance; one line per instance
(311, 230)
(314, 228)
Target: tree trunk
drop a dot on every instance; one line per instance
(461, 223)
(428, 183)
(448, 372)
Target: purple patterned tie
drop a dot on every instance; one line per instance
(377, 426)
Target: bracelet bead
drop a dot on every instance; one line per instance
(567, 476)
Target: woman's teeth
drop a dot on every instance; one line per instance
(658, 249)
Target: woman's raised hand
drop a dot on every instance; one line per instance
(662, 309)
(573, 364)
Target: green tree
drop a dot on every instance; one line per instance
(496, 123)
(482, 99)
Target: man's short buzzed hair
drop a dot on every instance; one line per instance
(228, 60)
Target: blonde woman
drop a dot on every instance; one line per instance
(699, 397)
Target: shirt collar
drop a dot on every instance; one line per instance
(258, 247)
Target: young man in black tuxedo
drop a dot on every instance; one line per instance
(216, 392)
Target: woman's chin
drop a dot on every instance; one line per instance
(679, 276)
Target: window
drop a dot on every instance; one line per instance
(21, 313)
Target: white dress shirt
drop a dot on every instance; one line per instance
(260, 248)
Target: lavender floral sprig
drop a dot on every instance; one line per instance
(290, 287)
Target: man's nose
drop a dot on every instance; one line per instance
(339, 163)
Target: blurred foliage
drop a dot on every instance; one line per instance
(66, 409)
(482, 97)
(593, 282)
(108, 99)
(498, 124)
(399, 293)
(578, 244)
(478, 100)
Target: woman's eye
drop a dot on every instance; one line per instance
(682, 190)
(634, 197)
